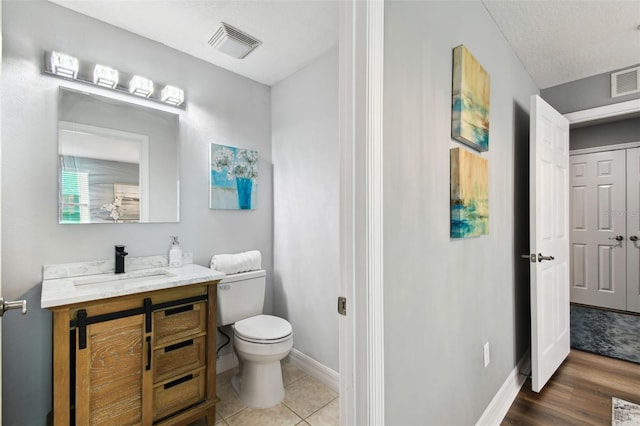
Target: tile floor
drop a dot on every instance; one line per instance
(306, 402)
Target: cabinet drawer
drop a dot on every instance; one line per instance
(178, 358)
(178, 394)
(178, 322)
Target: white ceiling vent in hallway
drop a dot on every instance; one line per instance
(233, 42)
(625, 82)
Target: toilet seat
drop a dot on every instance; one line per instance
(266, 329)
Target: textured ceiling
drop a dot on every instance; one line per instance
(293, 33)
(563, 40)
(557, 40)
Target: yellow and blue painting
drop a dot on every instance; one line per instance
(233, 178)
(470, 101)
(469, 194)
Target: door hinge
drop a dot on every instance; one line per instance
(342, 305)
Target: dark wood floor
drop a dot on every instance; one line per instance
(579, 393)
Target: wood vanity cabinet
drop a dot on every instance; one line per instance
(140, 359)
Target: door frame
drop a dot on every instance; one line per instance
(1, 6)
(602, 114)
(361, 227)
(605, 112)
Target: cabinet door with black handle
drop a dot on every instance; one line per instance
(110, 372)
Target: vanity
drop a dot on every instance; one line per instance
(133, 348)
(137, 347)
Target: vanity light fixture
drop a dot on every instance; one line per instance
(172, 95)
(67, 67)
(141, 86)
(105, 76)
(64, 65)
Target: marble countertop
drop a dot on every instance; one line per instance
(59, 286)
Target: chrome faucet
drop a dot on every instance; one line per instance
(120, 254)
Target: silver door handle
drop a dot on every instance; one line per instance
(530, 257)
(17, 304)
(541, 257)
(619, 238)
(633, 238)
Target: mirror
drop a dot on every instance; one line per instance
(118, 162)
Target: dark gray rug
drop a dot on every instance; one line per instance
(612, 334)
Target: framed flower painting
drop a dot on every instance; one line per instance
(233, 178)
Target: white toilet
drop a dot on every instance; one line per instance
(260, 341)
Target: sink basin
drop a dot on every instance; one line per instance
(135, 277)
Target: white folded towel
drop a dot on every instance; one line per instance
(235, 263)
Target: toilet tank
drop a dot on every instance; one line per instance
(240, 296)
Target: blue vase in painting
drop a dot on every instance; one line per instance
(244, 186)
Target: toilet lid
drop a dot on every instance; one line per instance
(263, 327)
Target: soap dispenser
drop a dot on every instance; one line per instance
(175, 253)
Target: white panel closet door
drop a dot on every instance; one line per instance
(633, 230)
(598, 237)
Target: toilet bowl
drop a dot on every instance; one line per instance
(260, 341)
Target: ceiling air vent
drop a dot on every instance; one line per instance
(233, 42)
(625, 82)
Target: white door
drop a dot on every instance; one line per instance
(598, 229)
(549, 240)
(633, 230)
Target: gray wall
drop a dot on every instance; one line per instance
(585, 93)
(623, 131)
(592, 92)
(306, 206)
(445, 298)
(222, 107)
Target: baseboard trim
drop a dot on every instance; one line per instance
(501, 402)
(315, 369)
(226, 362)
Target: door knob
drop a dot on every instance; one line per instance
(18, 304)
(633, 238)
(541, 257)
(620, 238)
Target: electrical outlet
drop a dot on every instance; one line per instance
(487, 358)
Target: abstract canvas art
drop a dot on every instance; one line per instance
(469, 194)
(233, 178)
(470, 101)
